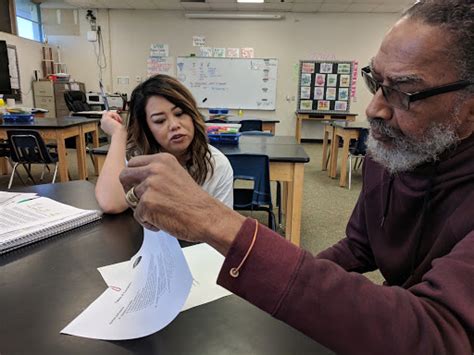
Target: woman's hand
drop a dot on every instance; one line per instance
(169, 199)
(111, 123)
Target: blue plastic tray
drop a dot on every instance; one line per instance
(226, 138)
(218, 111)
(18, 117)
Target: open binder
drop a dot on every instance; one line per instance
(31, 220)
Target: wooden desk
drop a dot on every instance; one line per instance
(287, 159)
(345, 131)
(47, 284)
(268, 124)
(58, 129)
(300, 117)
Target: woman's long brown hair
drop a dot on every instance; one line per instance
(140, 140)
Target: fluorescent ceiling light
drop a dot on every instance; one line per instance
(251, 1)
(233, 16)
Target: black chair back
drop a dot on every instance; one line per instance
(360, 146)
(4, 148)
(28, 147)
(251, 125)
(216, 120)
(76, 101)
(255, 168)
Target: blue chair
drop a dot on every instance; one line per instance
(251, 125)
(27, 147)
(255, 168)
(357, 151)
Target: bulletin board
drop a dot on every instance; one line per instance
(236, 83)
(324, 86)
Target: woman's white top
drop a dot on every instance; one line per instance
(221, 184)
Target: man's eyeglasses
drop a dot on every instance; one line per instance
(401, 99)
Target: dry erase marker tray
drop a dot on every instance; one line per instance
(224, 138)
(18, 117)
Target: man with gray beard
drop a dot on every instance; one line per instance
(414, 220)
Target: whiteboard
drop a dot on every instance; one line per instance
(247, 83)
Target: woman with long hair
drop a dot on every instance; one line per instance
(163, 117)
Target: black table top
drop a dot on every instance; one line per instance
(46, 285)
(62, 122)
(278, 148)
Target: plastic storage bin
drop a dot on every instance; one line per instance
(218, 111)
(224, 138)
(18, 117)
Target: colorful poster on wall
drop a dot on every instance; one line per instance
(325, 86)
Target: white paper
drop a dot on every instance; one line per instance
(204, 263)
(159, 286)
(38, 211)
(11, 198)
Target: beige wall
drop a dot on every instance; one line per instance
(29, 60)
(129, 33)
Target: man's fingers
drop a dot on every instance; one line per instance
(158, 158)
(130, 177)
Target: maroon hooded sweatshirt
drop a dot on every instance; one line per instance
(417, 228)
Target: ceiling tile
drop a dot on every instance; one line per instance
(389, 8)
(361, 7)
(305, 7)
(250, 7)
(337, 2)
(277, 6)
(168, 4)
(195, 6)
(308, 1)
(221, 6)
(333, 7)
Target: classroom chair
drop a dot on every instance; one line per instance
(357, 152)
(251, 125)
(28, 147)
(256, 169)
(76, 101)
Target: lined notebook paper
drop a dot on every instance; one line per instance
(31, 220)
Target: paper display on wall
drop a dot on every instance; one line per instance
(160, 65)
(247, 53)
(199, 41)
(14, 72)
(233, 53)
(219, 52)
(159, 50)
(205, 51)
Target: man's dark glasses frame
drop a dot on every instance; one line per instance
(401, 99)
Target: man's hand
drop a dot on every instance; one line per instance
(171, 200)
